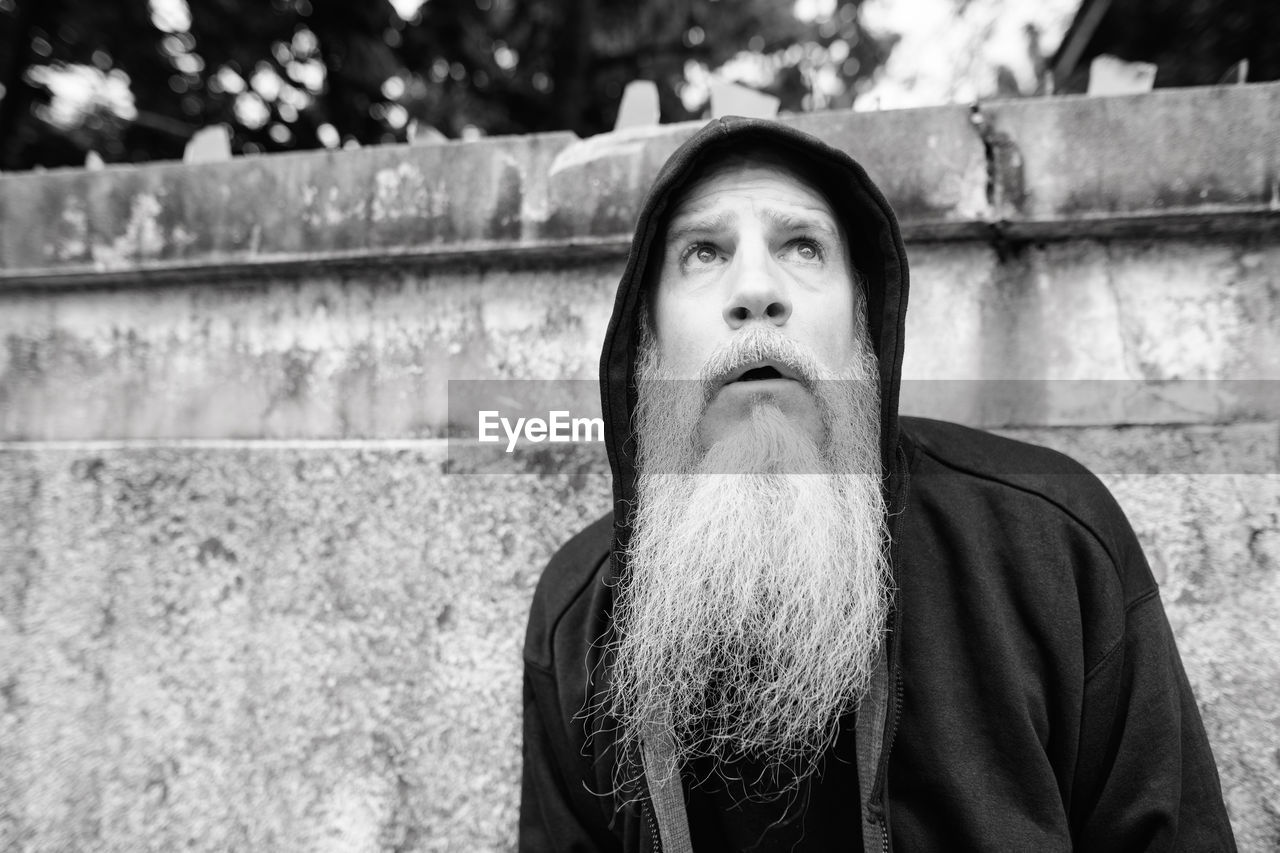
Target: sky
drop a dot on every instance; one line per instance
(406, 8)
(948, 58)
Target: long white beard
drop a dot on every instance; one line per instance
(757, 583)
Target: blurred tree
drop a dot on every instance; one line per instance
(96, 39)
(1192, 42)
(520, 65)
(290, 74)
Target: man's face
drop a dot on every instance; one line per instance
(751, 613)
(751, 245)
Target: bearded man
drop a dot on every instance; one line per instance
(810, 624)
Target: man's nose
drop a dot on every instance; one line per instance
(757, 292)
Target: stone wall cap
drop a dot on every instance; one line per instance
(1038, 169)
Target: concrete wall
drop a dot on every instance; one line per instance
(248, 602)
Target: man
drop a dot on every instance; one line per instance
(810, 624)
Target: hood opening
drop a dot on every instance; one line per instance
(876, 250)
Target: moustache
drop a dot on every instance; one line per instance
(760, 347)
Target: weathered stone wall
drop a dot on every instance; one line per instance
(246, 602)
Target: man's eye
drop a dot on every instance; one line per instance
(806, 250)
(702, 253)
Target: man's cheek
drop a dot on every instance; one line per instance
(680, 361)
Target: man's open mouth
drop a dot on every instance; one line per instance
(758, 373)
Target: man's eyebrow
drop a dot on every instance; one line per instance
(696, 223)
(787, 220)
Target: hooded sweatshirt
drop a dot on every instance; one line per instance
(1029, 694)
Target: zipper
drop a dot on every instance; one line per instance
(879, 793)
(882, 783)
(877, 803)
(652, 824)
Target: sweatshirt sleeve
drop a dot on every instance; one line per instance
(555, 811)
(1150, 782)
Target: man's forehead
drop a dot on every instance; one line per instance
(746, 168)
(786, 196)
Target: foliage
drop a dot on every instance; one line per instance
(1192, 42)
(291, 74)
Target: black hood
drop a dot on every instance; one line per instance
(874, 241)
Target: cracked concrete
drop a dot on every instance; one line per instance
(1006, 188)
